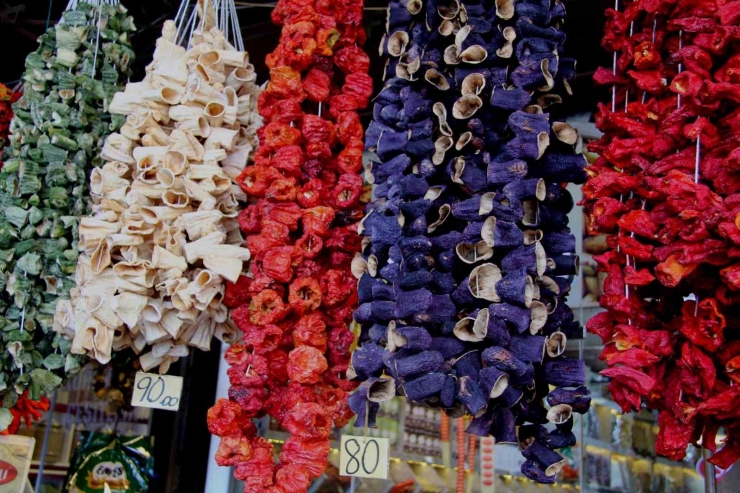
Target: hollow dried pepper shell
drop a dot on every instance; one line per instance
(352, 59)
(233, 450)
(279, 262)
(293, 477)
(257, 374)
(317, 85)
(238, 293)
(277, 135)
(308, 452)
(261, 338)
(636, 380)
(632, 357)
(306, 365)
(257, 471)
(288, 214)
(639, 222)
(671, 272)
(359, 86)
(350, 158)
(318, 220)
(288, 160)
(349, 127)
(348, 191)
(659, 342)
(256, 180)
(706, 328)
(308, 420)
(286, 82)
(673, 437)
(267, 307)
(317, 130)
(336, 286)
(304, 295)
(228, 418)
(635, 277)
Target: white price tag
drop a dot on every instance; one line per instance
(157, 391)
(364, 457)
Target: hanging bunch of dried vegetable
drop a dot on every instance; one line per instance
(164, 237)
(296, 307)
(467, 257)
(664, 191)
(59, 125)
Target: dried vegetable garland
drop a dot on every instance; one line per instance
(664, 191)
(164, 234)
(467, 254)
(58, 129)
(296, 307)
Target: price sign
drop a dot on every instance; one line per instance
(364, 457)
(157, 391)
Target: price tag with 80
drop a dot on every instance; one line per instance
(157, 391)
(364, 457)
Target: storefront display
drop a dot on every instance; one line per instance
(386, 246)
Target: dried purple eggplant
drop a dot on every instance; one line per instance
(424, 362)
(559, 414)
(471, 395)
(504, 427)
(565, 372)
(407, 337)
(367, 398)
(482, 425)
(550, 461)
(468, 365)
(448, 393)
(502, 359)
(448, 347)
(409, 303)
(424, 387)
(561, 439)
(532, 470)
(365, 410)
(493, 381)
(528, 348)
(579, 398)
(516, 287)
(510, 397)
(367, 361)
(441, 310)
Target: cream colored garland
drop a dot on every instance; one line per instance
(164, 233)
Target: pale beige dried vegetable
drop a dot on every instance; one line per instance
(164, 234)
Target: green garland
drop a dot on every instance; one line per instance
(59, 127)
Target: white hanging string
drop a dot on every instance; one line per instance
(227, 21)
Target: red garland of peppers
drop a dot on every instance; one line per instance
(296, 308)
(666, 191)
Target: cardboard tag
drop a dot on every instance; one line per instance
(157, 391)
(15, 462)
(364, 457)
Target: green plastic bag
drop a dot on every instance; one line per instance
(125, 464)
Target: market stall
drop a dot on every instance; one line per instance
(245, 251)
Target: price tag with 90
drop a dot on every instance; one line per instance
(157, 391)
(364, 457)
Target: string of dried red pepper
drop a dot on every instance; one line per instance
(296, 306)
(664, 191)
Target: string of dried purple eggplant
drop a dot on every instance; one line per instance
(467, 257)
